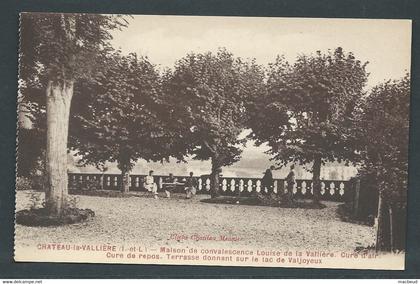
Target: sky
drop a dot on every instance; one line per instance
(165, 39)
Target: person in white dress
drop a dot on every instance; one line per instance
(150, 185)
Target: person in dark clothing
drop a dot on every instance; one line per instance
(169, 184)
(267, 181)
(191, 185)
(291, 180)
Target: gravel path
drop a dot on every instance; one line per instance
(133, 220)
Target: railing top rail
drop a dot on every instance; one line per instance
(207, 176)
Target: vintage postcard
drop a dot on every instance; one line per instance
(228, 141)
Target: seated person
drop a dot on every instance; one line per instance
(191, 185)
(169, 185)
(150, 185)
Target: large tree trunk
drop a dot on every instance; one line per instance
(382, 225)
(215, 177)
(124, 165)
(316, 180)
(59, 97)
(383, 230)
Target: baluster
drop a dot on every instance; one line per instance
(303, 188)
(298, 188)
(258, 186)
(241, 185)
(249, 186)
(200, 184)
(322, 188)
(224, 187)
(232, 185)
(341, 191)
(160, 181)
(332, 188)
(207, 184)
(309, 189)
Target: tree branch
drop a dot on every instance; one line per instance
(212, 150)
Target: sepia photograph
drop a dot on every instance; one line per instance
(209, 140)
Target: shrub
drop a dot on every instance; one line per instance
(41, 217)
(39, 182)
(23, 183)
(36, 183)
(84, 185)
(36, 201)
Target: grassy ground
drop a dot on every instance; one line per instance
(140, 218)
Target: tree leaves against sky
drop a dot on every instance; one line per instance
(382, 130)
(307, 108)
(120, 117)
(209, 92)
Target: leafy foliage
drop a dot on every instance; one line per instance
(382, 129)
(60, 47)
(118, 116)
(308, 108)
(31, 148)
(23, 183)
(383, 126)
(46, 54)
(213, 89)
(64, 46)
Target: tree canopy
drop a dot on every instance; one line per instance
(207, 94)
(308, 107)
(382, 129)
(64, 46)
(306, 113)
(119, 118)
